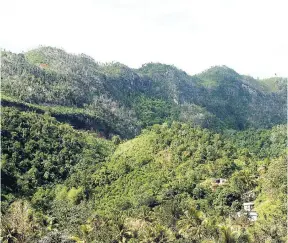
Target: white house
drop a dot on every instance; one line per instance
(249, 206)
(249, 211)
(253, 215)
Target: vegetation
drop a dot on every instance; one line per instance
(121, 100)
(156, 187)
(104, 153)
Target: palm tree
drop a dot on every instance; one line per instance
(192, 225)
(227, 235)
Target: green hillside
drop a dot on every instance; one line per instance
(157, 187)
(103, 153)
(132, 99)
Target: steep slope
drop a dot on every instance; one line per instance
(39, 151)
(154, 188)
(135, 98)
(105, 123)
(163, 180)
(239, 102)
(63, 182)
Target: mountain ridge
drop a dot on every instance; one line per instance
(50, 76)
(105, 153)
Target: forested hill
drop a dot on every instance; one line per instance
(103, 153)
(63, 185)
(115, 99)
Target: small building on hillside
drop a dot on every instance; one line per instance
(220, 181)
(253, 215)
(248, 207)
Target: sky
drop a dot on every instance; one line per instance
(249, 36)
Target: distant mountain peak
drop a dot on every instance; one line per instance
(217, 75)
(223, 69)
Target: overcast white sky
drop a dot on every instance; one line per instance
(249, 36)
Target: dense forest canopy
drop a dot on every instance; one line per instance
(94, 152)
